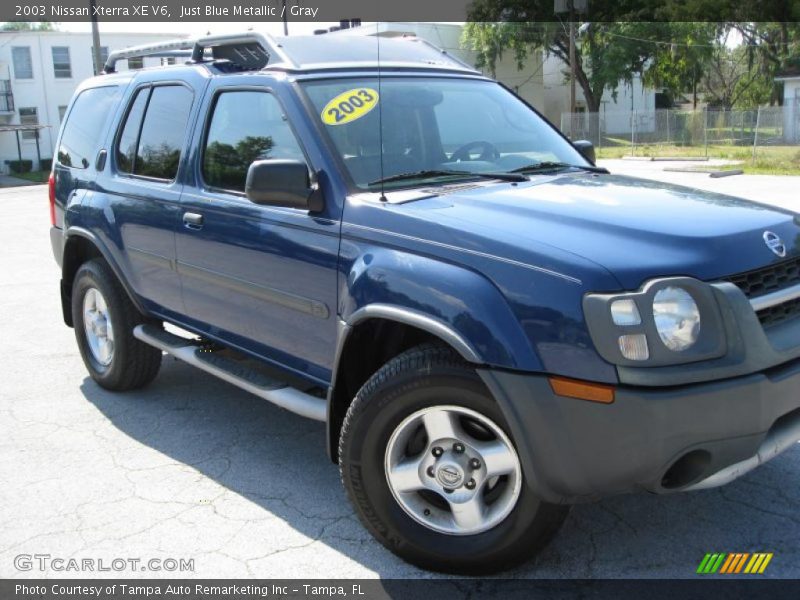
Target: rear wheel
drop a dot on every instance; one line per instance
(104, 317)
(428, 462)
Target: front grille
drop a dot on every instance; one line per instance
(771, 279)
(779, 313)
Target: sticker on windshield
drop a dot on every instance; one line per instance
(349, 106)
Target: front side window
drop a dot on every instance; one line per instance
(29, 116)
(23, 65)
(432, 124)
(152, 137)
(245, 126)
(81, 139)
(62, 67)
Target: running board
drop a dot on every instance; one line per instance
(229, 370)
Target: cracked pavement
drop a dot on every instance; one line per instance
(194, 468)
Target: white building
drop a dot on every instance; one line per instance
(542, 81)
(615, 113)
(39, 71)
(791, 106)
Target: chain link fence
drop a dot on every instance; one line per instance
(681, 133)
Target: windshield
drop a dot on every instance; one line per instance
(432, 126)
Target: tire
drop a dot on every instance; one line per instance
(126, 363)
(381, 433)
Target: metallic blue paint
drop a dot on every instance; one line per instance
(502, 265)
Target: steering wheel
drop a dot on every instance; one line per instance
(488, 151)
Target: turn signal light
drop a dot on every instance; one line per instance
(583, 390)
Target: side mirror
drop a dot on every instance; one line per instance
(282, 182)
(586, 148)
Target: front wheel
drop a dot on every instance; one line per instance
(428, 462)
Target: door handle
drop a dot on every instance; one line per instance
(193, 220)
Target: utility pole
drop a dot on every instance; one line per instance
(573, 69)
(98, 66)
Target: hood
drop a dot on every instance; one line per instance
(636, 229)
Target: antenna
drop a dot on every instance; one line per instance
(380, 110)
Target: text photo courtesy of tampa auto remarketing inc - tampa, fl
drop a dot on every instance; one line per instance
(396, 300)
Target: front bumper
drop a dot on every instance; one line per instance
(655, 439)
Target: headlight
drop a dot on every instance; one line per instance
(658, 325)
(677, 318)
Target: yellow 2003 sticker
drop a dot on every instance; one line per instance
(349, 106)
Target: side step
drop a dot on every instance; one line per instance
(231, 371)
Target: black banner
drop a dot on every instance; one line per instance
(376, 589)
(405, 10)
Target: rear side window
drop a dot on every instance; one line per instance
(83, 130)
(246, 126)
(126, 148)
(152, 137)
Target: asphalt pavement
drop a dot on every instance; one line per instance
(192, 468)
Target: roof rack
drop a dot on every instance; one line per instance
(248, 50)
(254, 51)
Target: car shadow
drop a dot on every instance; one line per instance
(277, 461)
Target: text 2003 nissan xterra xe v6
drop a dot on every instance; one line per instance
(491, 327)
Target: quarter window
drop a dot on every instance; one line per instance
(245, 126)
(62, 67)
(23, 65)
(81, 138)
(152, 138)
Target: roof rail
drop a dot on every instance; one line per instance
(171, 48)
(250, 50)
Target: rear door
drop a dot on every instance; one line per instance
(262, 278)
(144, 188)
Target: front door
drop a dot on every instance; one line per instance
(258, 277)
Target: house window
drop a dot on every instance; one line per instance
(62, 110)
(23, 65)
(103, 57)
(29, 116)
(167, 60)
(137, 62)
(62, 68)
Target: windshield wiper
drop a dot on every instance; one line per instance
(433, 173)
(549, 165)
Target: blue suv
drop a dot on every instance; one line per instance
(372, 234)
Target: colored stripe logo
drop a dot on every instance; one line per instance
(728, 563)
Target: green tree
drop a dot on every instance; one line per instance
(680, 55)
(29, 26)
(664, 53)
(733, 79)
(771, 45)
